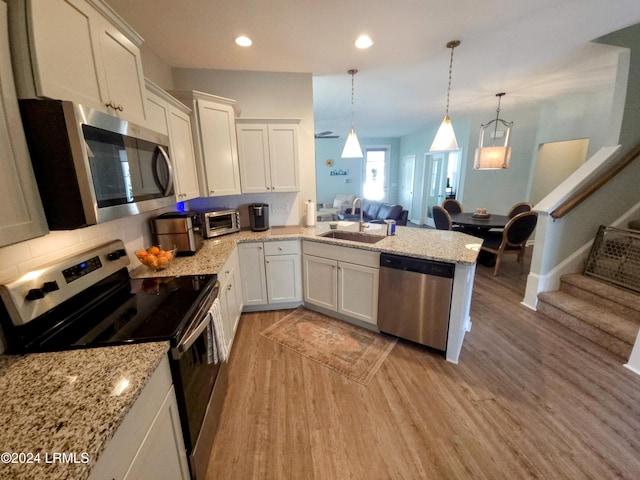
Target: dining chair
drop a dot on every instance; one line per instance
(513, 239)
(519, 208)
(452, 206)
(441, 218)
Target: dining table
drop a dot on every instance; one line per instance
(470, 220)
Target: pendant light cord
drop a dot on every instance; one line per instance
(353, 73)
(452, 44)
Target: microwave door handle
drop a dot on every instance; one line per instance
(165, 157)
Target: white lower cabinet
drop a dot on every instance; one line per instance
(271, 274)
(149, 443)
(231, 296)
(342, 280)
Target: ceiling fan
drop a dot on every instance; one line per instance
(326, 134)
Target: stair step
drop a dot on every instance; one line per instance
(611, 297)
(611, 331)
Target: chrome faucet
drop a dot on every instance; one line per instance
(361, 225)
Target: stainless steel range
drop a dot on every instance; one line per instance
(89, 300)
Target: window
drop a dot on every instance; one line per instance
(376, 173)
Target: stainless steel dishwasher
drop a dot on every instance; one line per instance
(415, 299)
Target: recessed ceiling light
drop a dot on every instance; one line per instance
(363, 41)
(243, 41)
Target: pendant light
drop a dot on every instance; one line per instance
(445, 137)
(352, 146)
(494, 157)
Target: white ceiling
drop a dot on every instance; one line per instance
(532, 50)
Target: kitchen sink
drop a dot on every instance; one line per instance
(352, 236)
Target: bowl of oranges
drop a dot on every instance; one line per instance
(155, 257)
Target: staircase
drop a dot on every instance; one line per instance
(605, 314)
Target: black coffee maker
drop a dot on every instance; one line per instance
(259, 217)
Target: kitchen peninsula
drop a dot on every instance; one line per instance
(455, 248)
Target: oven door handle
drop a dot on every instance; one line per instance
(186, 343)
(190, 340)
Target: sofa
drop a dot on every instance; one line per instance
(376, 212)
(331, 211)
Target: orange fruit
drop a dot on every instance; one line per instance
(154, 250)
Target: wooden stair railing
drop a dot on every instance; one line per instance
(581, 195)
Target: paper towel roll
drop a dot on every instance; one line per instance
(310, 208)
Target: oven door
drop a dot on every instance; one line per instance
(195, 369)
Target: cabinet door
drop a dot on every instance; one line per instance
(62, 42)
(320, 282)
(22, 214)
(283, 157)
(358, 291)
(254, 283)
(183, 155)
(283, 278)
(157, 114)
(162, 452)
(229, 303)
(123, 71)
(253, 153)
(219, 148)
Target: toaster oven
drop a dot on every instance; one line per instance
(219, 222)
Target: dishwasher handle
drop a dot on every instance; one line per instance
(418, 265)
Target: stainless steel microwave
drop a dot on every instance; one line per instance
(92, 167)
(219, 222)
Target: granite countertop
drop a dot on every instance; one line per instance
(430, 244)
(68, 402)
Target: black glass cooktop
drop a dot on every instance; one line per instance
(120, 310)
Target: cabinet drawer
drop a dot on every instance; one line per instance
(282, 247)
(357, 256)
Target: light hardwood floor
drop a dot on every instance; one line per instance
(528, 399)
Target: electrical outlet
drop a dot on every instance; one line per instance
(280, 208)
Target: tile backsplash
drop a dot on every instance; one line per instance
(134, 231)
(22, 257)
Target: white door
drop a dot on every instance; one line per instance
(219, 148)
(254, 283)
(253, 156)
(436, 184)
(407, 175)
(358, 291)
(283, 158)
(376, 173)
(321, 282)
(283, 278)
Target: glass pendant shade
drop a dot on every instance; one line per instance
(492, 158)
(352, 146)
(445, 137)
(497, 155)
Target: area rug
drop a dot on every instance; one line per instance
(352, 351)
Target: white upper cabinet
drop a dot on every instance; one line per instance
(81, 51)
(165, 114)
(268, 155)
(22, 215)
(214, 132)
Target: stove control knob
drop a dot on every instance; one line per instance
(50, 287)
(116, 254)
(35, 294)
